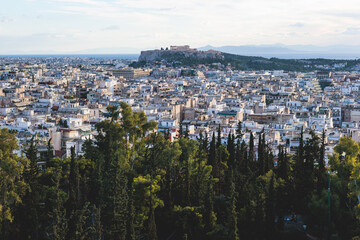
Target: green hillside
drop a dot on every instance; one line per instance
(240, 62)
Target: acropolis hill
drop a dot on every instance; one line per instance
(176, 52)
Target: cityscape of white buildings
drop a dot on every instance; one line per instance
(60, 99)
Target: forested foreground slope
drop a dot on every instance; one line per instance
(132, 183)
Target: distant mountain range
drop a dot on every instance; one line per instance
(291, 51)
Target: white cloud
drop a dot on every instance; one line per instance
(352, 31)
(6, 19)
(153, 23)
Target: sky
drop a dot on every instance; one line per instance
(127, 26)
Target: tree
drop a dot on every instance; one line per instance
(55, 198)
(12, 186)
(130, 223)
(31, 201)
(209, 214)
(232, 214)
(73, 202)
(231, 150)
(218, 142)
(146, 198)
(299, 175)
(181, 132)
(261, 156)
(343, 185)
(186, 135)
(321, 170)
(270, 207)
(251, 155)
(239, 133)
(213, 160)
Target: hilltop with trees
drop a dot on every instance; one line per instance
(194, 58)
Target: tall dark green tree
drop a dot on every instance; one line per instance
(218, 142)
(209, 214)
(232, 223)
(321, 170)
(31, 201)
(73, 203)
(261, 156)
(251, 154)
(239, 133)
(270, 209)
(213, 160)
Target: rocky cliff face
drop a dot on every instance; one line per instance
(157, 55)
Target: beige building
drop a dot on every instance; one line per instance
(130, 73)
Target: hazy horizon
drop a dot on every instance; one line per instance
(267, 51)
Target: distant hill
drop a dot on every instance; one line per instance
(158, 55)
(240, 62)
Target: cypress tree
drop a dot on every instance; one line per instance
(283, 164)
(261, 156)
(73, 202)
(268, 156)
(251, 155)
(130, 227)
(30, 215)
(300, 176)
(186, 135)
(321, 171)
(239, 133)
(218, 142)
(152, 231)
(244, 159)
(212, 157)
(209, 214)
(49, 154)
(270, 208)
(59, 226)
(231, 150)
(232, 224)
(206, 143)
(181, 130)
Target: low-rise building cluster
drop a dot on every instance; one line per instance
(61, 99)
